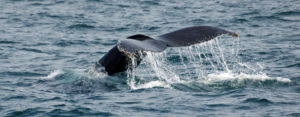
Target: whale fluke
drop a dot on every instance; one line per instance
(147, 44)
(192, 35)
(120, 57)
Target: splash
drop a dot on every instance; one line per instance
(215, 64)
(209, 63)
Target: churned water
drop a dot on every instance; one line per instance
(48, 49)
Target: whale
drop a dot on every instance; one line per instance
(128, 53)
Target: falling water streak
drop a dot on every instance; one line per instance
(208, 58)
(214, 56)
(222, 55)
(193, 59)
(248, 67)
(162, 68)
(182, 60)
(169, 70)
(260, 66)
(198, 48)
(219, 55)
(237, 57)
(154, 63)
(200, 60)
(131, 74)
(235, 51)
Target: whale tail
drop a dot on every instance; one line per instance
(120, 57)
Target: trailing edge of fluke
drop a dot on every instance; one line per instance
(132, 49)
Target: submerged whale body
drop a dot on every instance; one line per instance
(128, 53)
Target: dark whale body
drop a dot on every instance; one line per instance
(128, 53)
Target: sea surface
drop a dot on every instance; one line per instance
(48, 49)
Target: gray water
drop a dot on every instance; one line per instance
(48, 49)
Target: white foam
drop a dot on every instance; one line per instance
(229, 76)
(53, 74)
(150, 85)
(95, 72)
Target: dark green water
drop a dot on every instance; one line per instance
(48, 47)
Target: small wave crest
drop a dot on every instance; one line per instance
(81, 26)
(53, 74)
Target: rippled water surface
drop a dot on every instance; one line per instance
(48, 49)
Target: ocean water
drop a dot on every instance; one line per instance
(48, 49)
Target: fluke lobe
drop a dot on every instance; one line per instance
(128, 53)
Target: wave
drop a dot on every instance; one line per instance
(289, 16)
(80, 81)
